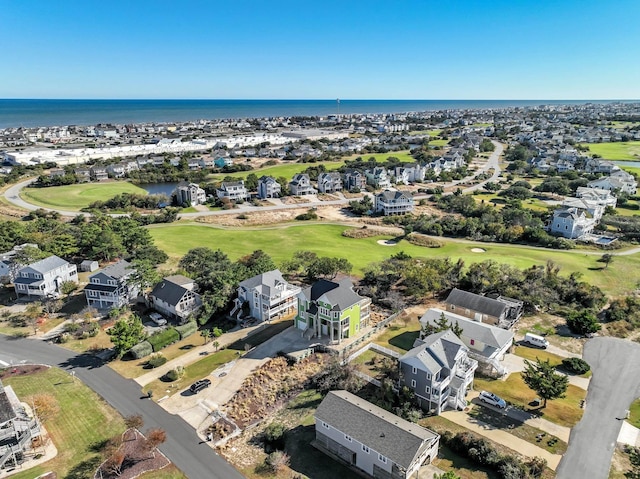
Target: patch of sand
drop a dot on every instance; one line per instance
(387, 242)
(478, 250)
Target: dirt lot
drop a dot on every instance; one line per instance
(555, 327)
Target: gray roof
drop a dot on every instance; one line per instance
(117, 270)
(264, 282)
(7, 412)
(179, 279)
(48, 264)
(394, 195)
(340, 295)
(437, 351)
(492, 336)
(385, 433)
(476, 302)
(169, 292)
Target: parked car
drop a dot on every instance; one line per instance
(200, 385)
(158, 319)
(492, 400)
(535, 340)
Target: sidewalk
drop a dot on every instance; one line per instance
(195, 354)
(502, 437)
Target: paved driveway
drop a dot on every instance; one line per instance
(614, 385)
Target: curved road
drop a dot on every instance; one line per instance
(13, 194)
(183, 447)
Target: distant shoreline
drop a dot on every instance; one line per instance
(33, 113)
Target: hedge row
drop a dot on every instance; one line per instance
(163, 339)
(141, 350)
(187, 329)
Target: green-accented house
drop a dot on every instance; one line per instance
(332, 310)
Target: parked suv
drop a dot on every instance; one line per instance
(158, 319)
(200, 385)
(492, 400)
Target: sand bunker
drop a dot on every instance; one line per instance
(478, 250)
(387, 242)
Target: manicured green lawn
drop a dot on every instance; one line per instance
(84, 420)
(438, 142)
(287, 169)
(400, 337)
(402, 155)
(431, 133)
(621, 150)
(75, 197)
(565, 411)
(634, 413)
(327, 240)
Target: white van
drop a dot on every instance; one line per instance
(535, 340)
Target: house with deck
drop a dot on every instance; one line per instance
(268, 187)
(112, 286)
(439, 371)
(393, 203)
(265, 297)
(329, 182)
(332, 310)
(487, 344)
(175, 297)
(190, 194)
(378, 177)
(232, 190)
(499, 310)
(300, 185)
(374, 442)
(44, 278)
(572, 222)
(354, 180)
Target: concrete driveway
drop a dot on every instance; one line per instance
(614, 385)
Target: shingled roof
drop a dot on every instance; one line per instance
(340, 295)
(385, 433)
(7, 412)
(476, 302)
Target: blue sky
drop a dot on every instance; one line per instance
(402, 49)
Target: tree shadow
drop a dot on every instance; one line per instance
(84, 360)
(405, 340)
(84, 469)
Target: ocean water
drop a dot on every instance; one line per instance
(35, 113)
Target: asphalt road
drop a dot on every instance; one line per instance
(183, 447)
(614, 385)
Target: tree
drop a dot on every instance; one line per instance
(68, 287)
(45, 406)
(32, 314)
(206, 334)
(145, 274)
(542, 378)
(114, 462)
(134, 421)
(583, 322)
(155, 437)
(126, 333)
(216, 345)
(448, 474)
(606, 258)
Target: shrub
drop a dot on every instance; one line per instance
(71, 327)
(163, 339)
(274, 435)
(309, 215)
(141, 350)
(276, 461)
(63, 338)
(156, 360)
(187, 329)
(583, 322)
(576, 365)
(175, 374)
(217, 332)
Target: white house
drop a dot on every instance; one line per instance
(175, 297)
(393, 203)
(267, 296)
(190, 194)
(233, 190)
(602, 197)
(572, 222)
(329, 182)
(618, 180)
(43, 278)
(268, 187)
(376, 442)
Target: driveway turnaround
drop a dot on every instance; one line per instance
(614, 385)
(183, 447)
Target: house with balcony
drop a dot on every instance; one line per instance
(329, 182)
(18, 429)
(99, 173)
(175, 297)
(486, 343)
(44, 278)
(332, 310)
(354, 180)
(232, 190)
(265, 297)
(499, 311)
(268, 187)
(599, 196)
(83, 174)
(10, 264)
(374, 441)
(618, 180)
(572, 222)
(300, 185)
(393, 203)
(112, 286)
(439, 371)
(190, 194)
(378, 177)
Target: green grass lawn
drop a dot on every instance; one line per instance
(431, 133)
(565, 411)
(438, 142)
(280, 242)
(634, 413)
(76, 197)
(621, 150)
(400, 337)
(84, 420)
(402, 155)
(287, 169)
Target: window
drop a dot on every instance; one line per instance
(325, 425)
(382, 459)
(428, 375)
(414, 370)
(427, 390)
(472, 342)
(413, 383)
(348, 438)
(365, 449)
